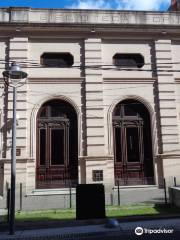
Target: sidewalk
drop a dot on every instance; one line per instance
(100, 231)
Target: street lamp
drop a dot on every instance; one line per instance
(13, 78)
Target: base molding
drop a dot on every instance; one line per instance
(55, 191)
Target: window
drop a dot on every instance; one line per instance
(97, 175)
(57, 60)
(128, 60)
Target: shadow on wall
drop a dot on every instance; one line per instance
(6, 128)
(1, 179)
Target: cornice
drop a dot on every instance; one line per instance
(78, 20)
(34, 15)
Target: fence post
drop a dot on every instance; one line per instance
(20, 197)
(70, 197)
(8, 204)
(165, 192)
(118, 195)
(175, 182)
(112, 200)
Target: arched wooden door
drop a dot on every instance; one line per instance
(132, 144)
(57, 164)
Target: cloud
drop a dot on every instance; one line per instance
(91, 4)
(141, 4)
(122, 4)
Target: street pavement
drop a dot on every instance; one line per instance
(147, 229)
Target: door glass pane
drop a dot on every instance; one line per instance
(56, 111)
(43, 112)
(42, 146)
(57, 146)
(118, 144)
(132, 145)
(130, 110)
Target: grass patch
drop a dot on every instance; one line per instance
(144, 209)
(46, 215)
(111, 211)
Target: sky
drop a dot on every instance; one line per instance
(142, 5)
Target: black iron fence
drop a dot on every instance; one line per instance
(65, 197)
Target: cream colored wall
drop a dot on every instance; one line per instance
(39, 94)
(176, 68)
(177, 85)
(38, 46)
(67, 84)
(119, 85)
(101, 90)
(111, 47)
(17, 48)
(167, 96)
(104, 89)
(171, 166)
(115, 93)
(176, 58)
(3, 46)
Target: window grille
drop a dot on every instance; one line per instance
(57, 60)
(128, 60)
(97, 175)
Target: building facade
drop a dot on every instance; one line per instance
(101, 101)
(175, 5)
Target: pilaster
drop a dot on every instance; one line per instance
(18, 51)
(94, 98)
(167, 97)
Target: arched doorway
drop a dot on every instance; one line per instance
(133, 159)
(57, 145)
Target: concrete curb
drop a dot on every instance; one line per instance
(56, 236)
(80, 223)
(147, 217)
(79, 233)
(96, 231)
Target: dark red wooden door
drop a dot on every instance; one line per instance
(129, 159)
(53, 159)
(132, 145)
(57, 164)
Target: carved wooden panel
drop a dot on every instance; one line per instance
(132, 144)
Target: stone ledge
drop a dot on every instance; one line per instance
(47, 192)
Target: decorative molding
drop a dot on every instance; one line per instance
(110, 121)
(18, 160)
(71, 16)
(95, 158)
(53, 123)
(33, 121)
(177, 80)
(55, 191)
(130, 80)
(36, 80)
(168, 155)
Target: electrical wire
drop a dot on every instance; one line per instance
(102, 66)
(96, 67)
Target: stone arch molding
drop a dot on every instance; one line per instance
(110, 127)
(33, 118)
